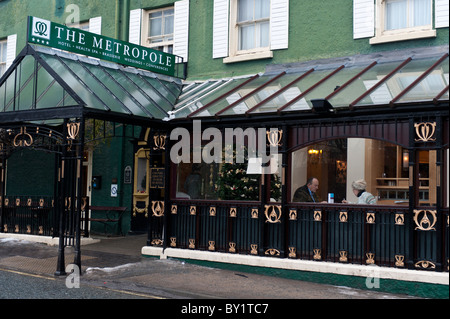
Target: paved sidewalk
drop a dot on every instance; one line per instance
(116, 263)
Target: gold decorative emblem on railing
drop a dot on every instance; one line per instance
(23, 138)
(158, 208)
(293, 214)
(399, 219)
(232, 248)
(425, 131)
(272, 252)
(174, 209)
(212, 211)
(29, 202)
(156, 242)
(160, 142)
(343, 256)
(193, 210)
(370, 218)
(255, 213)
(292, 252)
(192, 243)
(343, 217)
(173, 242)
(17, 201)
(233, 212)
(317, 254)
(274, 137)
(72, 130)
(211, 245)
(370, 258)
(425, 264)
(425, 223)
(254, 249)
(317, 216)
(273, 213)
(399, 260)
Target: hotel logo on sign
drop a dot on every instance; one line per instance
(40, 28)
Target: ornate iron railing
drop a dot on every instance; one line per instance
(33, 215)
(358, 234)
(38, 215)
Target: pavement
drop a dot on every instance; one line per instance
(116, 263)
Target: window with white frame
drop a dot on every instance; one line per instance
(403, 14)
(398, 20)
(249, 29)
(158, 29)
(253, 21)
(3, 44)
(165, 29)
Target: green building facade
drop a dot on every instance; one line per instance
(221, 40)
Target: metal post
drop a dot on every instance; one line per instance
(80, 150)
(410, 249)
(440, 253)
(167, 203)
(60, 266)
(2, 189)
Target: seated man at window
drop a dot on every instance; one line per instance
(307, 193)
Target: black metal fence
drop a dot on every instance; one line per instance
(358, 234)
(38, 215)
(33, 215)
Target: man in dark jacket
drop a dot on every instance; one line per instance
(307, 193)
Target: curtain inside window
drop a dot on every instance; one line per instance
(402, 14)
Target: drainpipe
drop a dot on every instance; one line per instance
(118, 19)
(125, 19)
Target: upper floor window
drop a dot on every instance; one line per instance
(401, 14)
(253, 24)
(398, 20)
(403, 20)
(249, 29)
(165, 29)
(2, 57)
(159, 31)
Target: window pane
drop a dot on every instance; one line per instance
(337, 164)
(2, 52)
(396, 14)
(262, 9)
(157, 14)
(168, 24)
(245, 10)
(264, 34)
(421, 13)
(155, 27)
(247, 37)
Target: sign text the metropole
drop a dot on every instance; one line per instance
(61, 37)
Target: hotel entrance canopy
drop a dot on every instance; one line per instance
(46, 85)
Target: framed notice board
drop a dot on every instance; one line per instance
(157, 178)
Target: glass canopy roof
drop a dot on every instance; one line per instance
(345, 86)
(46, 78)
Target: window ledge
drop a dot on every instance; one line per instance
(249, 57)
(404, 36)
